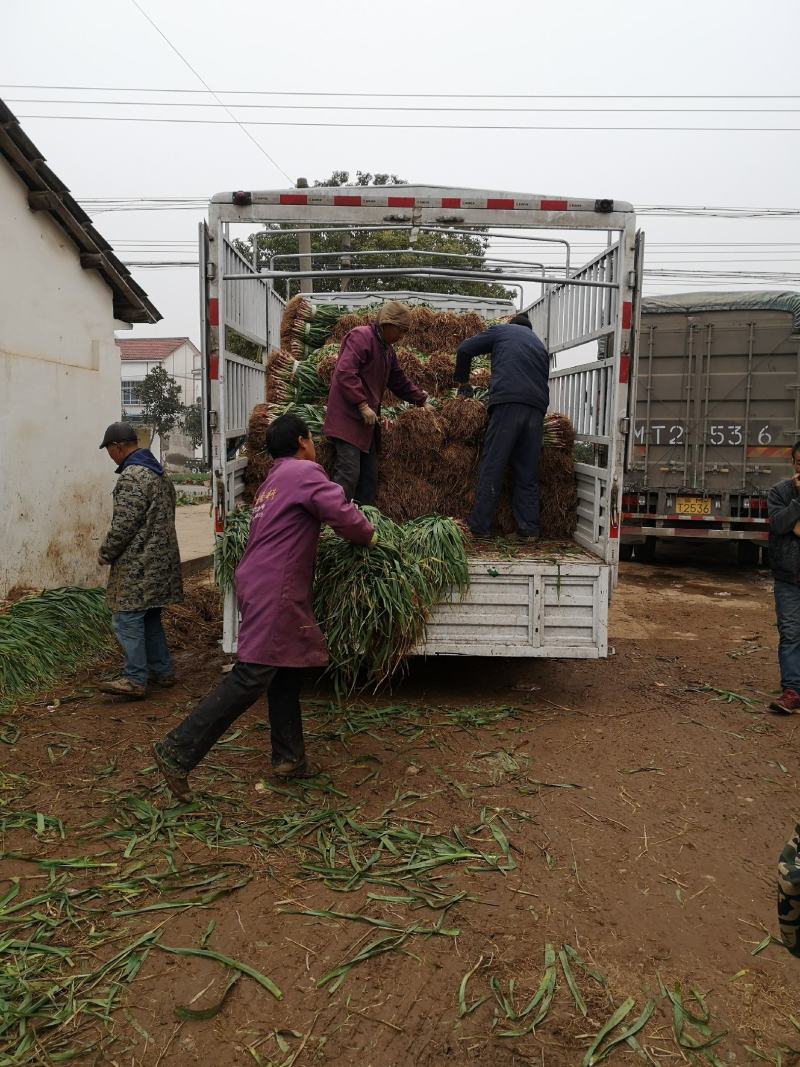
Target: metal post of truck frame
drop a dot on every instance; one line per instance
(304, 247)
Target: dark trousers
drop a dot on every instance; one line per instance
(513, 438)
(239, 690)
(356, 471)
(787, 609)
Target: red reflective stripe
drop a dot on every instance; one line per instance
(553, 205)
(627, 314)
(293, 198)
(763, 450)
(624, 368)
(213, 366)
(347, 201)
(500, 204)
(451, 201)
(213, 311)
(613, 530)
(219, 522)
(401, 201)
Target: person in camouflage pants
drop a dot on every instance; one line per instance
(789, 893)
(142, 549)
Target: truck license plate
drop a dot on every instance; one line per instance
(693, 505)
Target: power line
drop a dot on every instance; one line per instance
(413, 107)
(414, 126)
(202, 80)
(410, 95)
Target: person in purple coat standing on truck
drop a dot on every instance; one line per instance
(278, 634)
(367, 365)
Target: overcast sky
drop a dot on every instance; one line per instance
(687, 47)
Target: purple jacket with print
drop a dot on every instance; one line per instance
(275, 575)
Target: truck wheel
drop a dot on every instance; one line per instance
(747, 552)
(645, 552)
(764, 556)
(625, 553)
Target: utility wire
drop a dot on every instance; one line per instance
(412, 126)
(412, 107)
(202, 80)
(396, 94)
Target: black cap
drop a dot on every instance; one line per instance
(119, 433)
(521, 320)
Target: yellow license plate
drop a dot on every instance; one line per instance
(693, 505)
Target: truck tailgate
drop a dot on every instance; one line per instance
(525, 607)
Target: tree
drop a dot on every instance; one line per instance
(160, 397)
(351, 242)
(193, 424)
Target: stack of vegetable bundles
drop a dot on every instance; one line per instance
(429, 457)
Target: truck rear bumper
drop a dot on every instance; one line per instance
(634, 534)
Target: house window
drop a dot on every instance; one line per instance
(129, 396)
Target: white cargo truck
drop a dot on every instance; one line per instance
(532, 605)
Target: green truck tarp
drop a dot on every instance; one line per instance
(693, 303)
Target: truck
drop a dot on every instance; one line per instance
(529, 606)
(716, 411)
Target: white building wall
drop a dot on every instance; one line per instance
(181, 365)
(184, 366)
(59, 389)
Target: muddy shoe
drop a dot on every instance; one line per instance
(123, 687)
(789, 703)
(173, 774)
(163, 681)
(303, 769)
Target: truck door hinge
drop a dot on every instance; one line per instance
(213, 420)
(624, 424)
(211, 270)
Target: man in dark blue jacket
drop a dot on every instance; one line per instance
(783, 503)
(518, 399)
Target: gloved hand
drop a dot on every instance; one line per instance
(465, 391)
(367, 414)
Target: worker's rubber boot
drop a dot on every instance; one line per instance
(173, 774)
(123, 687)
(302, 769)
(163, 681)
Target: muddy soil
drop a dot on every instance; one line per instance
(631, 809)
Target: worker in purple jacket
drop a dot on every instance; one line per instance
(278, 634)
(367, 365)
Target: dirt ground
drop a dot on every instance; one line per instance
(474, 822)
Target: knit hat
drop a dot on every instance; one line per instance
(393, 313)
(521, 320)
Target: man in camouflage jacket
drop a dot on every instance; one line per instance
(789, 893)
(142, 549)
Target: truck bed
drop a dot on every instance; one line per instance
(551, 602)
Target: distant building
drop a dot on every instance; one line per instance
(181, 360)
(63, 293)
